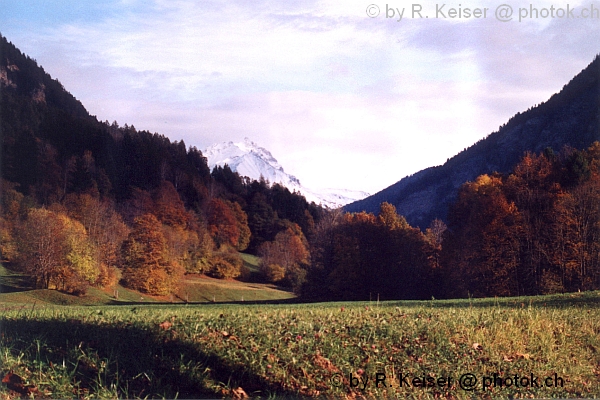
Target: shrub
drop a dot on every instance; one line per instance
(226, 265)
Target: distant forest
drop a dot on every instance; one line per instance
(90, 203)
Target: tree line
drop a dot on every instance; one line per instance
(533, 231)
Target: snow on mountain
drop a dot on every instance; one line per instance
(248, 159)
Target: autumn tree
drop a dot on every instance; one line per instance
(83, 266)
(11, 200)
(534, 187)
(242, 224)
(406, 258)
(190, 248)
(389, 218)
(56, 251)
(482, 251)
(225, 264)
(10, 209)
(106, 231)
(286, 258)
(168, 207)
(534, 231)
(222, 224)
(322, 254)
(146, 266)
(361, 255)
(435, 236)
(576, 240)
(42, 247)
(350, 277)
(140, 202)
(8, 246)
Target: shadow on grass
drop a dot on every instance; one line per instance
(137, 361)
(13, 282)
(566, 300)
(292, 300)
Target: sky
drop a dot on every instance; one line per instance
(345, 94)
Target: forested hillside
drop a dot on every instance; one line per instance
(533, 231)
(86, 202)
(569, 118)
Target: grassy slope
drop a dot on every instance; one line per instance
(205, 289)
(15, 288)
(251, 262)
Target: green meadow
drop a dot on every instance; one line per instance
(546, 346)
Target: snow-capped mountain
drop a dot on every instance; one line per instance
(248, 159)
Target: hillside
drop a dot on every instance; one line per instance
(52, 147)
(75, 190)
(88, 205)
(569, 118)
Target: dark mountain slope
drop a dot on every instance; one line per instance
(52, 146)
(23, 77)
(569, 118)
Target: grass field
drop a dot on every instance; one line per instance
(539, 347)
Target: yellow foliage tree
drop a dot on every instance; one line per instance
(56, 251)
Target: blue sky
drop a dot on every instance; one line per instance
(341, 99)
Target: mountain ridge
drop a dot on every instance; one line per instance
(570, 117)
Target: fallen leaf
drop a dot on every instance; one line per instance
(477, 346)
(32, 390)
(15, 383)
(12, 379)
(166, 325)
(324, 363)
(239, 393)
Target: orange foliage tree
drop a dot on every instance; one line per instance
(146, 266)
(534, 231)
(228, 224)
(168, 207)
(286, 258)
(484, 245)
(222, 223)
(105, 228)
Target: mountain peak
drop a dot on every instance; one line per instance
(249, 159)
